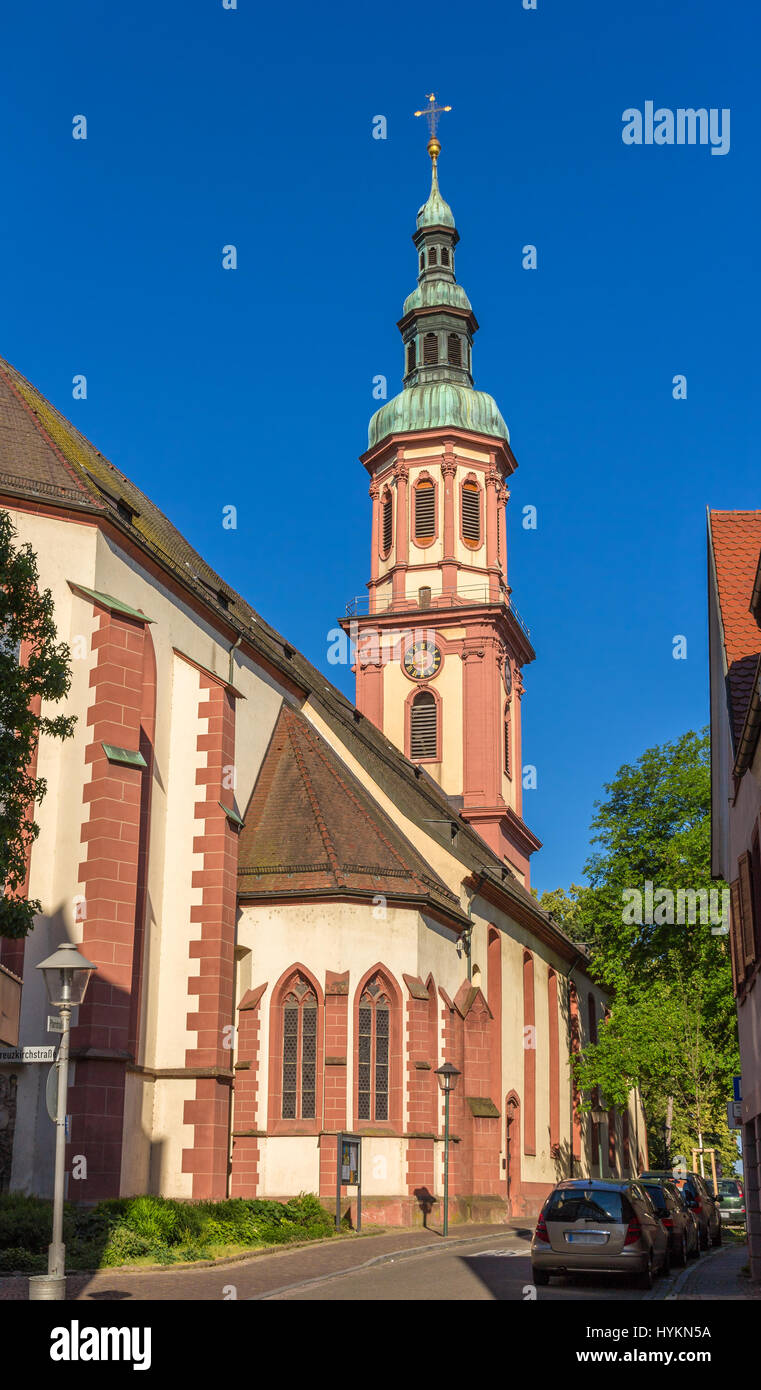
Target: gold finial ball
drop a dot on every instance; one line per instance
(434, 148)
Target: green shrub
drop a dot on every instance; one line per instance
(13, 1258)
(162, 1230)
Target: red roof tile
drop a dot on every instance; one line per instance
(736, 539)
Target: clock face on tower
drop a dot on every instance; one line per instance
(422, 660)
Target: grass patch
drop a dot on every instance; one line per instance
(153, 1230)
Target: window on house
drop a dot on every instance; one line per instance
(423, 727)
(454, 350)
(471, 513)
(425, 515)
(430, 350)
(411, 356)
(388, 517)
(299, 1053)
(374, 1036)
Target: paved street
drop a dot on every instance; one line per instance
(476, 1264)
(487, 1268)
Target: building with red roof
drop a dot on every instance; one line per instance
(734, 613)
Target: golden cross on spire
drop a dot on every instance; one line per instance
(432, 113)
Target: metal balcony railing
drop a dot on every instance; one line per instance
(377, 602)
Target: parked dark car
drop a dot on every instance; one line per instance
(731, 1199)
(675, 1216)
(700, 1200)
(587, 1225)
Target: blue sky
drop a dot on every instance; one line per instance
(253, 387)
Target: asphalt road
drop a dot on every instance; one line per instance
(491, 1268)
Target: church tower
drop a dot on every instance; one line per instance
(439, 644)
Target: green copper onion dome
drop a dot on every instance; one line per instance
(435, 405)
(435, 213)
(437, 328)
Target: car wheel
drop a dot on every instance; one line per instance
(645, 1279)
(540, 1277)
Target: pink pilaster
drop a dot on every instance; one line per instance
(401, 474)
(449, 470)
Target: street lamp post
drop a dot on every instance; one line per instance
(447, 1078)
(67, 974)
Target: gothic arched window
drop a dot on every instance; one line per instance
(424, 727)
(373, 1043)
(299, 1052)
(454, 350)
(430, 350)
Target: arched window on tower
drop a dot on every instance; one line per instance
(471, 514)
(387, 521)
(432, 255)
(430, 350)
(445, 255)
(508, 763)
(299, 1052)
(422, 260)
(423, 727)
(411, 355)
(454, 350)
(373, 1040)
(425, 510)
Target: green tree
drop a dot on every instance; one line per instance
(672, 1030)
(26, 618)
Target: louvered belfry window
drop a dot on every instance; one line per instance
(425, 513)
(374, 1037)
(422, 260)
(454, 350)
(430, 350)
(432, 256)
(411, 356)
(388, 520)
(445, 255)
(471, 513)
(508, 771)
(423, 727)
(299, 1053)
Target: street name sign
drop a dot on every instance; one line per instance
(13, 1055)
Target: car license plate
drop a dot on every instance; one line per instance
(586, 1237)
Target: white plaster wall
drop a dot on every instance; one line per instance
(288, 1167)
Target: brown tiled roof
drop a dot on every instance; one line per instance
(736, 541)
(311, 827)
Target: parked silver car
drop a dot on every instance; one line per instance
(587, 1225)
